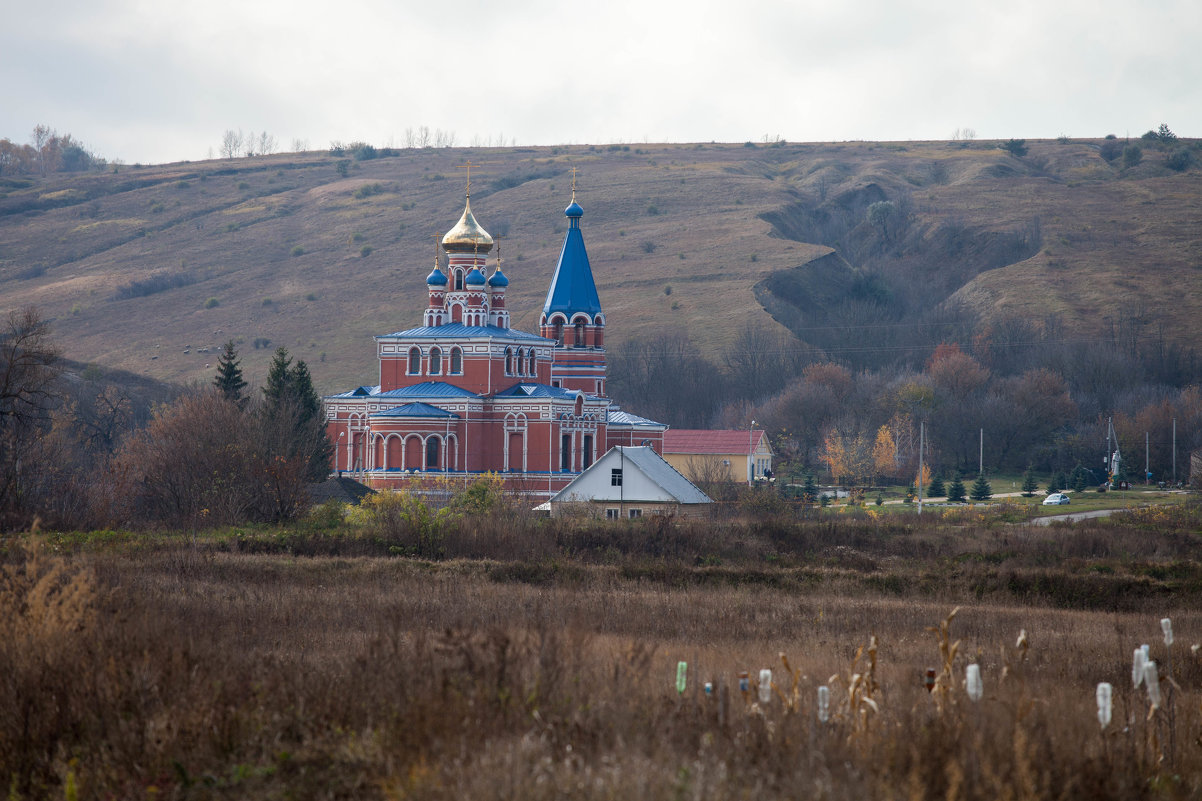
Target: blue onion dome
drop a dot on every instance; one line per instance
(475, 278)
(574, 211)
(498, 279)
(436, 278)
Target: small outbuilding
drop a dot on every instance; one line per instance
(630, 482)
(719, 455)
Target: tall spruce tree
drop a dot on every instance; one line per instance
(809, 490)
(1030, 485)
(981, 491)
(229, 375)
(289, 398)
(955, 493)
(936, 488)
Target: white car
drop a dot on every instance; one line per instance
(1056, 499)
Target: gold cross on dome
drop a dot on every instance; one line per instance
(437, 242)
(573, 184)
(468, 167)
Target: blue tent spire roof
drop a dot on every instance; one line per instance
(573, 289)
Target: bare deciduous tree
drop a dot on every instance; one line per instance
(267, 144)
(231, 143)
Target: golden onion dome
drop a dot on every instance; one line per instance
(468, 236)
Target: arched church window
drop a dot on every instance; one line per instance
(456, 361)
(508, 361)
(415, 361)
(435, 361)
(579, 337)
(533, 363)
(558, 332)
(432, 447)
(459, 280)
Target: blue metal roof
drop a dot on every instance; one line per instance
(535, 391)
(415, 410)
(428, 389)
(572, 289)
(617, 417)
(358, 392)
(451, 330)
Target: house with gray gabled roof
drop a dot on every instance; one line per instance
(630, 482)
(465, 394)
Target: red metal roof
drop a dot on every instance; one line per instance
(686, 440)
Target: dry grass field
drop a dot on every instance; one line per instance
(151, 269)
(308, 663)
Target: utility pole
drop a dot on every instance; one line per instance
(1147, 472)
(922, 431)
(981, 458)
(1174, 450)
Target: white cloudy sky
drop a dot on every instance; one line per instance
(160, 80)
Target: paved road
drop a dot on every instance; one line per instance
(1073, 517)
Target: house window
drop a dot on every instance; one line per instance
(615, 477)
(415, 361)
(565, 452)
(613, 514)
(636, 513)
(456, 361)
(435, 361)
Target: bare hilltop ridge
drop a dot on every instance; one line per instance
(845, 247)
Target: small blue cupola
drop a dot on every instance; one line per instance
(498, 279)
(436, 278)
(474, 278)
(573, 289)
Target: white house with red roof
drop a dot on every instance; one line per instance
(723, 455)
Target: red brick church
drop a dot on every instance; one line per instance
(465, 394)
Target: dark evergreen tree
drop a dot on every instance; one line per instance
(279, 380)
(291, 405)
(229, 375)
(936, 489)
(1030, 485)
(981, 491)
(1080, 478)
(955, 493)
(1057, 482)
(809, 491)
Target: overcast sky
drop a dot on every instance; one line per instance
(160, 80)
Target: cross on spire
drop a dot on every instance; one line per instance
(573, 184)
(437, 241)
(468, 167)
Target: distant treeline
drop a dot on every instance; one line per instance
(47, 152)
(1041, 395)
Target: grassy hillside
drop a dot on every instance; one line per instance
(150, 269)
